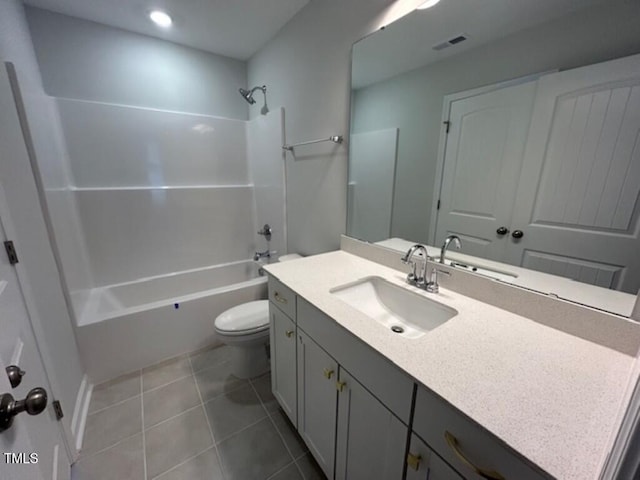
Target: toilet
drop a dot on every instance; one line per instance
(245, 328)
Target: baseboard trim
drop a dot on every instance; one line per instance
(81, 410)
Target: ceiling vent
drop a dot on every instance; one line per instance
(451, 41)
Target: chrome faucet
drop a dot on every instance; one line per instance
(258, 255)
(412, 277)
(447, 241)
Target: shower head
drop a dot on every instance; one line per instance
(248, 96)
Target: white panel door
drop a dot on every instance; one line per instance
(482, 164)
(372, 169)
(577, 200)
(39, 434)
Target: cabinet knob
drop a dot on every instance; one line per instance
(455, 446)
(328, 372)
(279, 298)
(413, 461)
(340, 385)
(517, 234)
(289, 333)
(502, 231)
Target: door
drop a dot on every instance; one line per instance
(40, 434)
(371, 441)
(424, 464)
(482, 163)
(284, 362)
(577, 200)
(317, 401)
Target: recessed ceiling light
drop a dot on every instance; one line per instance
(160, 18)
(428, 4)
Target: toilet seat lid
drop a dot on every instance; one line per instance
(245, 317)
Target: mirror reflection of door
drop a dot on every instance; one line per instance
(483, 156)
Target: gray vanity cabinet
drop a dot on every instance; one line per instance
(371, 440)
(317, 401)
(282, 335)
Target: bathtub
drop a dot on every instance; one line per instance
(128, 326)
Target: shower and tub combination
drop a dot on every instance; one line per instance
(167, 207)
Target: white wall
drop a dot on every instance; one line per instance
(47, 305)
(88, 61)
(307, 68)
(413, 101)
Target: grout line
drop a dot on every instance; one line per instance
(184, 461)
(242, 430)
(120, 402)
(281, 470)
(168, 383)
(173, 417)
(102, 450)
(206, 416)
(144, 435)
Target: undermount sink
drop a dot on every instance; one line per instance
(401, 310)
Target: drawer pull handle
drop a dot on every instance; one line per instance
(453, 444)
(280, 298)
(289, 333)
(340, 386)
(413, 461)
(328, 372)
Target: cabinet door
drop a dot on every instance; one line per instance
(284, 362)
(371, 441)
(317, 401)
(424, 464)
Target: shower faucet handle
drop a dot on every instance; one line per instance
(266, 231)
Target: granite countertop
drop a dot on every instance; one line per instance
(553, 397)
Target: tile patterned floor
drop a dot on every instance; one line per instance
(190, 419)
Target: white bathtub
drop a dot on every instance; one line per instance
(125, 327)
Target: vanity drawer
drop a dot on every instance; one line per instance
(385, 381)
(467, 443)
(282, 296)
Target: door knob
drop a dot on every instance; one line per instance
(15, 375)
(517, 234)
(502, 231)
(34, 404)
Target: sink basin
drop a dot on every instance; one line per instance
(401, 310)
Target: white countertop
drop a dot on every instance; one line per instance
(614, 301)
(553, 397)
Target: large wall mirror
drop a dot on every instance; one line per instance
(514, 125)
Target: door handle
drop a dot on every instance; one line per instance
(517, 234)
(15, 375)
(34, 404)
(502, 231)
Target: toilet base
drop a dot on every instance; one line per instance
(249, 361)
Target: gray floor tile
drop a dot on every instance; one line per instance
(294, 443)
(170, 400)
(203, 467)
(114, 391)
(124, 461)
(309, 468)
(234, 411)
(210, 358)
(267, 453)
(112, 424)
(176, 440)
(165, 372)
(217, 380)
(263, 387)
(289, 473)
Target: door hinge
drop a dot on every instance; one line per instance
(11, 252)
(448, 124)
(438, 206)
(57, 408)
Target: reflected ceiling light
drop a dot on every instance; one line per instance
(160, 18)
(428, 4)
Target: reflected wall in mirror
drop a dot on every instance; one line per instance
(515, 126)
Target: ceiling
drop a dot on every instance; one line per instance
(234, 28)
(407, 43)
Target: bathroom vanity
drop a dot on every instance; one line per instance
(481, 393)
